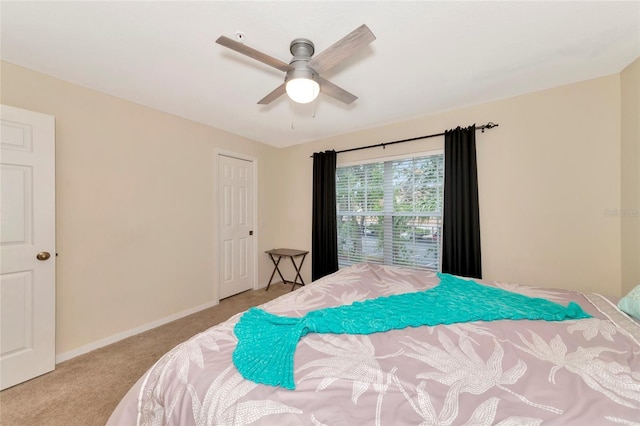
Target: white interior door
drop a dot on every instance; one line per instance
(27, 241)
(236, 225)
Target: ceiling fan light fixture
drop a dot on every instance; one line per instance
(302, 90)
(302, 80)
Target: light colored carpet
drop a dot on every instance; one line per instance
(85, 390)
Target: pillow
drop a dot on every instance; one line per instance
(630, 304)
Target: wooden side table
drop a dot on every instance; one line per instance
(277, 254)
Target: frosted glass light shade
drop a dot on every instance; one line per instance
(302, 90)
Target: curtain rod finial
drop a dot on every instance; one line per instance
(489, 125)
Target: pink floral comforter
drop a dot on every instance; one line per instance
(578, 372)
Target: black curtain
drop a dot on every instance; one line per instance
(461, 221)
(324, 238)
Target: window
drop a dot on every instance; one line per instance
(390, 212)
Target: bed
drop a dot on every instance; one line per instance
(504, 372)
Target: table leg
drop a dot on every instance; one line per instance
(275, 263)
(297, 268)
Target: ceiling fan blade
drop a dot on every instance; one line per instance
(341, 49)
(336, 92)
(253, 53)
(275, 94)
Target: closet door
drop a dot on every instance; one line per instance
(236, 225)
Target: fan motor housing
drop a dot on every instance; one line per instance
(302, 49)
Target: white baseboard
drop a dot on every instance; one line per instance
(128, 333)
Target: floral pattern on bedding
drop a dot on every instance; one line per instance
(479, 373)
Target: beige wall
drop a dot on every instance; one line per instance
(135, 207)
(630, 179)
(547, 176)
(136, 214)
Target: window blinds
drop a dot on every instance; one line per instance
(390, 212)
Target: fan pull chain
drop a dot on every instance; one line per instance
(292, 112)
(293, 106)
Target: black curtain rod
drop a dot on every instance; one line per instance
(489, 125)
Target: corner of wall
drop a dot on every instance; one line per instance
(630, 175)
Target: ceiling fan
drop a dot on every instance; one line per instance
(302, 81)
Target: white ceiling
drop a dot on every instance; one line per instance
(428, 56)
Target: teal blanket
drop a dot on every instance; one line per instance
(267, 342)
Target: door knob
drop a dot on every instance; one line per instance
(43, 255)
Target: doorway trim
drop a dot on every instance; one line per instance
(216, 214)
